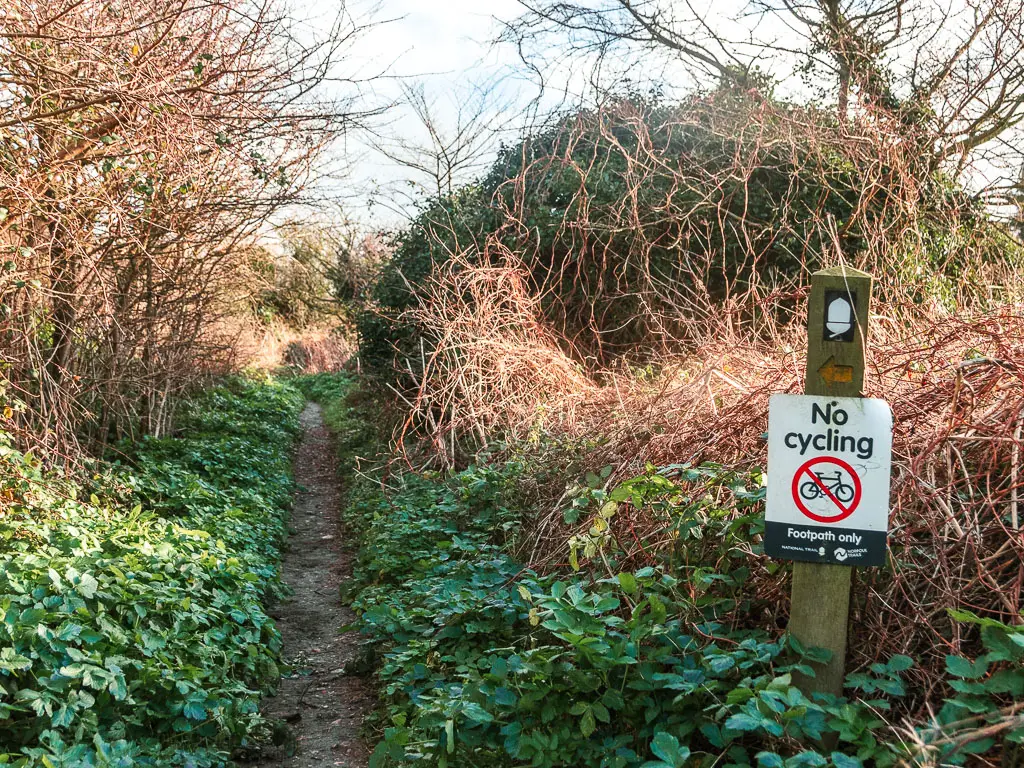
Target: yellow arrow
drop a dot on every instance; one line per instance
(836, 374)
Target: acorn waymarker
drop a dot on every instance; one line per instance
(840, 320)
(829, 464)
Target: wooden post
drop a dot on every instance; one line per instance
(820, 605)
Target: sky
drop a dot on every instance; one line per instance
(442, 47)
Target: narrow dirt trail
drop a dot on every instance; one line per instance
(322, 706)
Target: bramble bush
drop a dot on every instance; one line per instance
(484, 662)
(132, 625)
(643, 222)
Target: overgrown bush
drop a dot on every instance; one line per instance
(485, 662)
(643, 225)
(132, 626)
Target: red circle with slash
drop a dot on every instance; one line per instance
(827, 483)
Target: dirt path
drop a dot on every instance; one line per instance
(322, 706)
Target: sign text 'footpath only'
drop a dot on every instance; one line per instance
(829, 461)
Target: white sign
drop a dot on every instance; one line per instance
(829, 462)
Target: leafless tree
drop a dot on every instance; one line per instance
(451, 139)
(142, 144)
(951, 76)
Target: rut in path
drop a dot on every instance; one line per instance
(322, 706)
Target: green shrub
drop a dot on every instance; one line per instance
(132, 627)
(488, 664)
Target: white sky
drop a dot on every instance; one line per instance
(443, 45)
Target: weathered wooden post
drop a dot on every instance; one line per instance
(820, 602)
(829, 460)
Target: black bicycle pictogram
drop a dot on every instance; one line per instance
(843, 492)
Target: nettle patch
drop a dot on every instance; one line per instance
(130, 637)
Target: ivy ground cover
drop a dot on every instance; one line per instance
(132, 621)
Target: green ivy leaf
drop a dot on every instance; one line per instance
(839, 760)
(477, 714)
(722, 663)
(769, 760)
(587, 724)
(13, 662)
(900, 663)
(741, 721)
(958, 666)
(628, 583)
(87, 586)
(667, 747)
(1003, 645)
(806, 759)
(63, 717)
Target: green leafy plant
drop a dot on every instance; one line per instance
(985, 706)
(484, 662)
(132, 621)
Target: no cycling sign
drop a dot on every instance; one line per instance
(829, 460)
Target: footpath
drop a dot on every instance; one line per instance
(322, 705)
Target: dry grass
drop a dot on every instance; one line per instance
(493, 363)
(311, 350)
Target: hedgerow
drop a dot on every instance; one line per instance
(132, 624)
(482, 661)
